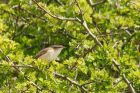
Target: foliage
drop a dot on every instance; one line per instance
(102, 39)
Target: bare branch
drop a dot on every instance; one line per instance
(84, 24)
(81, 12)
(95, 4)
(90, 82)
(93, 11)
(115, 44)
(91, 34)
(128, 40)
(32, 83)
(128, 32)
(53, 15)
(25, 66)
(6, 57)
(117, 81)
(90, 2)
(100, 2)
(124, 77)
(82, 21)
(17, 69)
(70, 80)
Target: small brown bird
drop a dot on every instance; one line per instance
(50, 53)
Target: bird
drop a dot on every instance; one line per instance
(50, 53)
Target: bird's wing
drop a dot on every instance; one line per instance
(43, 51)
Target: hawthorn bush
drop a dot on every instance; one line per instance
(102, 40)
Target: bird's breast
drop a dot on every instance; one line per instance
(51, 54)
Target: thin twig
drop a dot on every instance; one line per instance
(17, 69)
(114, 61)
(81, 12)
(70, 80)
(95, 4)
(124, 77)
(84, 24)
(6, 57)
(82, 21)
(32, 83)
(93, 11)
(91, 34)
(116, 82)
(128, 40)
(92, 81)
(52, 15)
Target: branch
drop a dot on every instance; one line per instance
(70, 80)
(25, 66)
(82, 21)
(128, 40)
(52, 15)
(17, 69)
(90, 82)
(84, 24)
(124, 77)
(34, 15)
(81, 12)
(95, 4)
(93, 10)
(117, 81)
(91, 34)
(6, 57)
(33, 84)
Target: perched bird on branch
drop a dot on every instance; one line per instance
(50, 53)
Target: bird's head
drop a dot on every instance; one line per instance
(57, 46)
